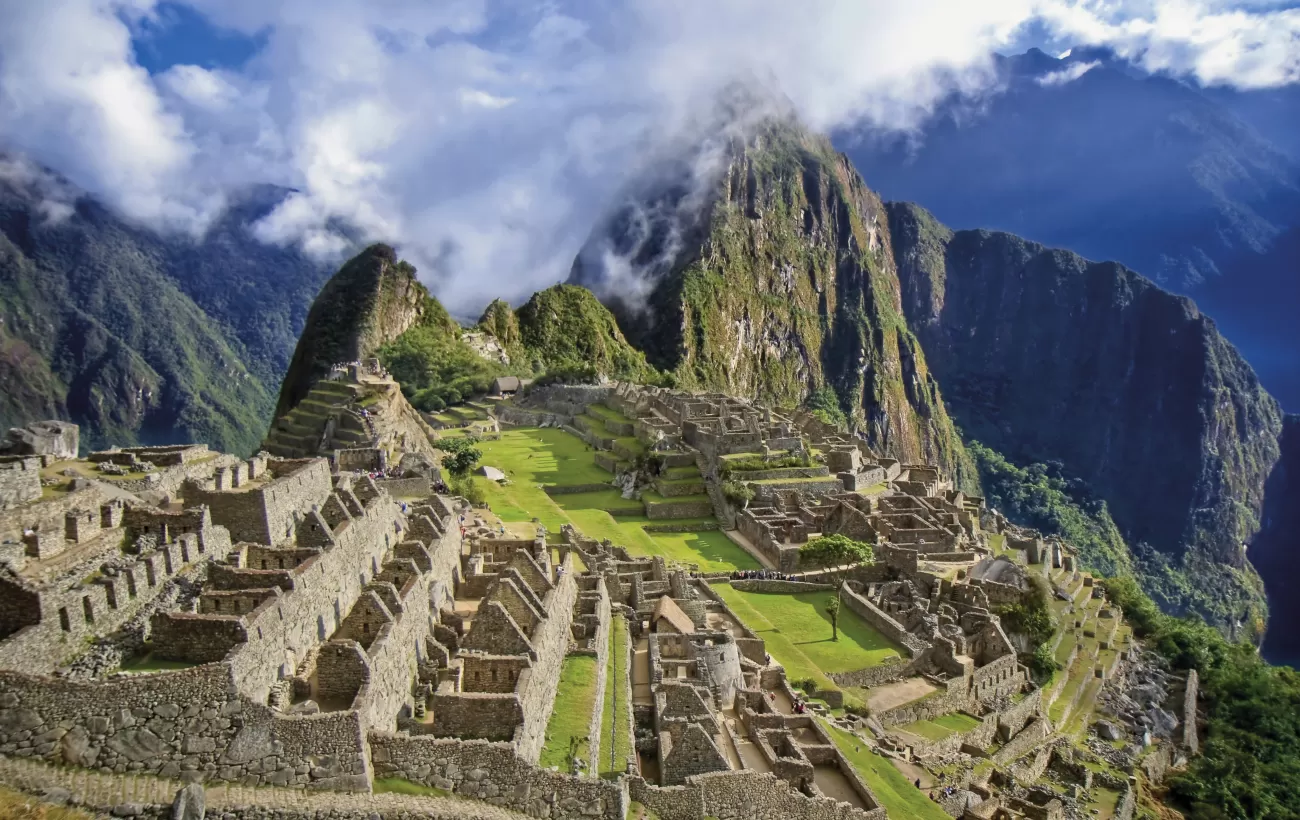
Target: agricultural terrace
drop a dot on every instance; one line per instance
(797, 632)
(534, 458)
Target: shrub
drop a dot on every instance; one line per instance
(737, 492)
(825, 406)
(468, 488)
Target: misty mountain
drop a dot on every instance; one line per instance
(140, 337)
(1195, 188)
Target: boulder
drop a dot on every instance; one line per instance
(1107, 730)
(189, 803)
(491, 473)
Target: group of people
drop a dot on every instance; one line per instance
(758, 575)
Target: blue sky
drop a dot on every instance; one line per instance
(485, 137)
(180, 35)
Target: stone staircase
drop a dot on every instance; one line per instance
(325, 419)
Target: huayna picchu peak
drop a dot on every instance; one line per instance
(748, 495)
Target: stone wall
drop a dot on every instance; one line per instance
(742, 795)
(69, 616)
(325, 588)
(492, 771)
(184, 723)
(779, 587)
(602, 642)
(1028, 739)
(405, 487)
(19, 482)
(875, 675)
(393, 659)
(265, 514)
(679, 509)
(882, 622)
(551, 643)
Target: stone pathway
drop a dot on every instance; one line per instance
(105, 792)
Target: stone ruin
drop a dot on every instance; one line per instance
(286, 621)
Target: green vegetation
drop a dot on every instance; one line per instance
(567, 731)
(825, 405)
(436, 368)
(462, 455)
(798, 633)
(942, 726)
(898, 795)
(1034, 619)
(533, 458)
(1250, 759)
(835, 550)
(565, 327)
(737, 492)
(1038, 496)
(615, 728)
(832, 610)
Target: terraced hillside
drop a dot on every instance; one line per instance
(557, 478)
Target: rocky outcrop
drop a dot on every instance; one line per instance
(761, 265)
(372, 300)
(1046, 356)
(1276, 550)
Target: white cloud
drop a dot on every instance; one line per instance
(1245, 44)
(1068, 74)
(486, 138)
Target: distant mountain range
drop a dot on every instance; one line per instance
(1197, 189)
(138, 337)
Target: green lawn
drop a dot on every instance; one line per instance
(926, 729)
(898, 796)
(957, 722)
(604, 413)
(532, 457)
(571, 715)
(615, 729)
(798, 633)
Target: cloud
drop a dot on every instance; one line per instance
(486, 137)
(1243, 44)
(1068, 74)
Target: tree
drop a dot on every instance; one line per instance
(834, 551)
(833, 610)
(461, 455)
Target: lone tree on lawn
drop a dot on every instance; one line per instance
(461, 455)
(833, 610)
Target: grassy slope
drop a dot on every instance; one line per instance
(532, 458)
(615, 733)
(899, 797)
(571, 715)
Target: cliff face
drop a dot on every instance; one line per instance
(1048, 357)
(1276, 550)
(372, 300)
(762, 267)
